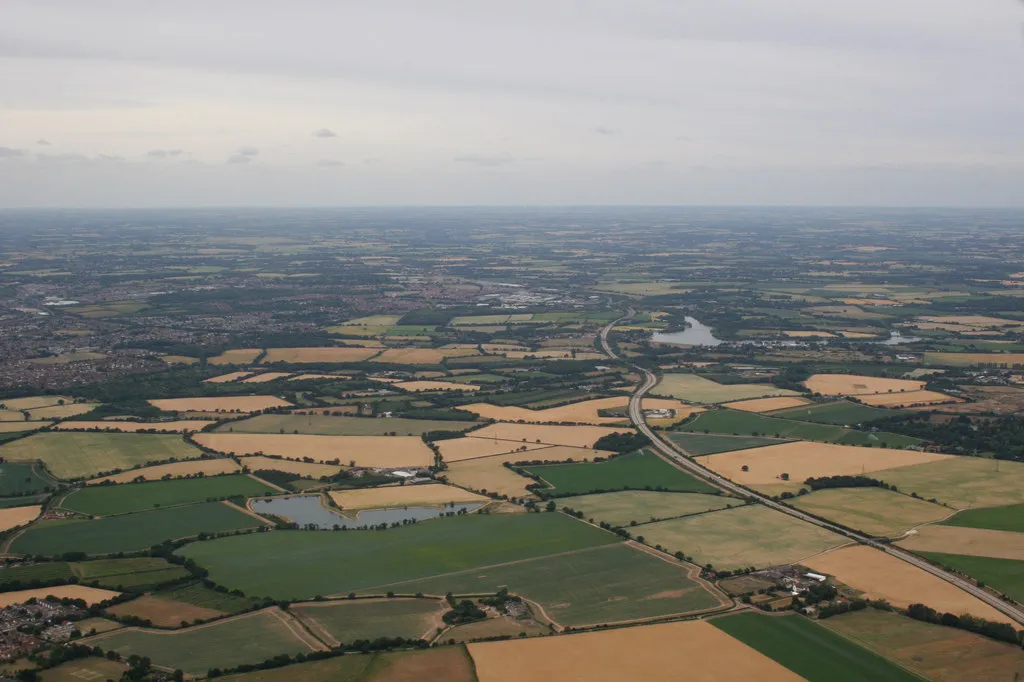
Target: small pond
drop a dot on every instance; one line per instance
(307, 509)
(696, 334)
(895, 339)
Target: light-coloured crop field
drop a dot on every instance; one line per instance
(490, 319)
(237, 356)
(422, 356)
(881, 576)
(372, 321)
(368, 451)
(12, 517)
(697, 389)
(999, 544)
(244, 403)
(163, 612)
(227, 378)
(178, 426)
(91, 595)
(345, 621)
(318, 355)
(643, 506)
(759, 405)
(875, 511)
(76, 455)
(962, 482)
(585, 412)
(751, 535)
(417, 386)
(179, 359)
(971, 320)
(855, 384)
(207, 467)
(34, 402)
(430, 495)
(802, 460)
(315, 423)
(266, 377)
(652, 653)
(304, 469)
(573, 436)
(908, 399)
(325, 377)
(490, 473)
(21, 425)
(808, 334)
(458, 449)
(62, 411)
(970, 359)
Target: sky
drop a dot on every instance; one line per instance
(137, 103)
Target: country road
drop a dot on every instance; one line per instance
(675, 454)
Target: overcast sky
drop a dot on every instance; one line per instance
(337, 102)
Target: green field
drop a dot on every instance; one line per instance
(638, 471)
(129, 532)
(197, 594)
(810, 650)
(136, 574)
(105, 500)
(696, 389)
(746, 423)
(346, 621)
(72, 455)
(18, 478)
(842, 413)
(18, 577)
(1010, 517)
(303, 564)
(449, 663)
(698, 444)
(752, 535)
(875, 511)
(23, 501)
(1005, 575)
(318, 424)
(601, 585)
(961, 482)
(247, 639)
(641, 506)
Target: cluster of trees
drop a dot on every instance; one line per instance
(622, 442)
(1003, 436)
(1003, 632)
(825, 482)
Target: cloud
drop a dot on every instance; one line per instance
(329, 163)
(239, 158)
(8, 153)
(248, 151)
(43, 143)
(109, 157)
(164, 153)
(324, 132)
(485, 159)
(605, 130)
(62, 158)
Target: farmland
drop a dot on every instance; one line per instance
(962, 482)
(451, 664)
(347, 620)
(853, 384)
(18, 478)
(403, 496)
(327, 354)
(840, 412)
(459, 449)
(381, 451)
(305, 469)
(421, 356)
(20, 576)
(636, 471)
(266, 564)
(871, 510)
(321, 425)
(132, 427)
(908, 399)
(975, 359)
(77, 455)
(697, 389)
(584, 412)
(163, 612)
(573, 436)
(136, 574)
(91, 595)
(12, 517)
(759, 405)
(197, 594)
(1005, 575)
(696, 444)
(195, 467)
(748, 424)
(750, 535)
(244, 403)
(612, 655)
(813, 652)
(979, 542)
(1010, 518)
(130, 532)
(606, 584)
(121, 499)
(236, 356)
(641, 506)
(490, 474)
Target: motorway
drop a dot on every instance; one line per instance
(675, 454)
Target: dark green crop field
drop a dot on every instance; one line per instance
(811, 651)
(19, 478)
(105, 500)
(701, 444)
(1005, 575)
(1010, 517)
(301, 564)
(639, 471)
(19, 577)
(749, 424)
(130, 532)
(136, 574)
(842, 413)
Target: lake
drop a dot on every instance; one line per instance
(696, 334)
(307, 509)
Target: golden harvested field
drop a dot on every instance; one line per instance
(969, 359)
(803, 460)
(265, 377)
(422, 356)
(207, 467)
(585, 412)
(554, 354)
(226, 378)
(999, 544)
(131, 427)
(458, 449)
(34, 402)
(62, 411)
(21, 425)
(652, 653)
(12, 517)
(908, 399)
(179, 359)
(869, 301)
(366, 451)
(416, 386)
(975, 320)
(809, 334)
(238, 356)
(244, 403)
(308, 377)
(872, 510)
(163, 612)
(373, 321)
(759, 405)
(856, 335)
(91, 595)
(317, 355)
(304, 469)
(885, 577)
(573, 436)
(962, 482)
(696, 389)
(429, 495)
(855, 384)
(490, 473)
